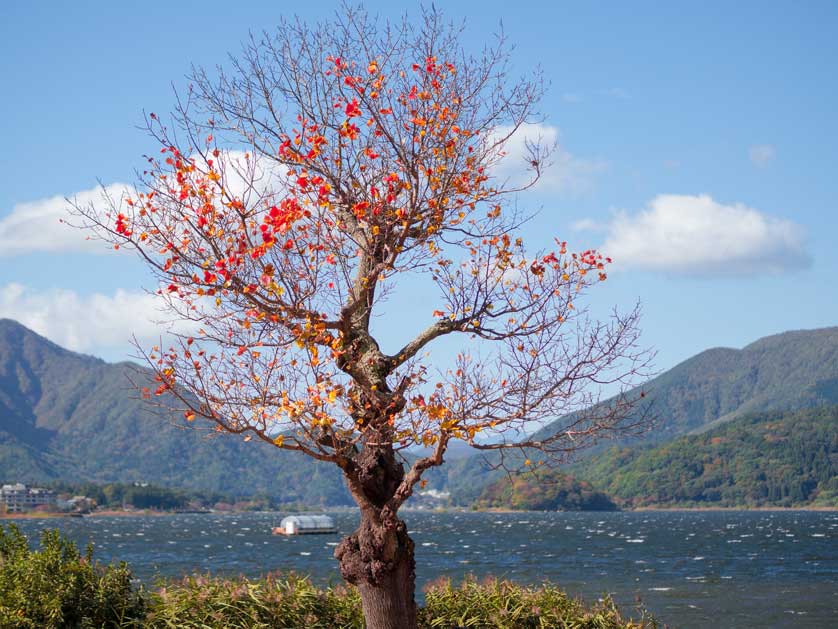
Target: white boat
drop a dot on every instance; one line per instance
(305, 525)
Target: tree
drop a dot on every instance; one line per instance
(291, 194)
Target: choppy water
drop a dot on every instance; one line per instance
(691, 569)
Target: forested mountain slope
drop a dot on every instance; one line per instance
(68, 416)
(767, 459)
(72, 417)
(788, 371)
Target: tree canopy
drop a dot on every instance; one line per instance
(295, 189)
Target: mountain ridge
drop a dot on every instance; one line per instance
(775, 458)
(70, 416)
(787, 371)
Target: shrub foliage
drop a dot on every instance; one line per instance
(56, 586)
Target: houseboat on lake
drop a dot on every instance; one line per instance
(305, 525)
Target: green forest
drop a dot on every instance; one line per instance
(543, 490)
(139, 496)
(768, 459)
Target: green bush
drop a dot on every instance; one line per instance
(56, 586)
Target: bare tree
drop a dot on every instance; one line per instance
(292, 191)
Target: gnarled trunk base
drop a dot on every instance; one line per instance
(380, 563)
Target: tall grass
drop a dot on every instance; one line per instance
(500, 604)
(274, 601)
(56, 586)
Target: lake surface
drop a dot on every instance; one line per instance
(691, 569)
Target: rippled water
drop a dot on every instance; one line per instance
(691, 569)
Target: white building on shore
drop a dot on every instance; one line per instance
(18, 497)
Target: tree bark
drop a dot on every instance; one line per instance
(380, 563)
(378, 557)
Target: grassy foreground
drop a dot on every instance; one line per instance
(58, 586)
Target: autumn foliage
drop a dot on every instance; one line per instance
(287, 199)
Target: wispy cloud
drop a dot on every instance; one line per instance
(762, 154)
(37, 226)
(92, 323)
(697, 235)
(564, 173)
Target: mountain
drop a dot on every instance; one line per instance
(788, 371)
(72, 417)
(66, 416)
(784, 459)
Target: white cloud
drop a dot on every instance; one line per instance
(37, 225)
(700, 236)
(565, 172)
(761, 154)
(92, 323)
(247, 176)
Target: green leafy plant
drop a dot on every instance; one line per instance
(57, 586)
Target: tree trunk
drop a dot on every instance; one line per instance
(378, 557)
(380, 563)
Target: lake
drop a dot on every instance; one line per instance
(691, 569)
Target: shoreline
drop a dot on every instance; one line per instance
(118, 513)
(33, 516)
(109, 513)
(648, 508)
(763, 508)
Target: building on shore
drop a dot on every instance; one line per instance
(77, 504)
(18, 498)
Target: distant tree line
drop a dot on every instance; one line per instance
(148, 496)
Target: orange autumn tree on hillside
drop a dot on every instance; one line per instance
(291, 193)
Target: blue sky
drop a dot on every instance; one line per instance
(698, 143)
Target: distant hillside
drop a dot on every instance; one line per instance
(767, 459)
(544, 490)
(66, 416)
(72, 417)
(789, 371)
